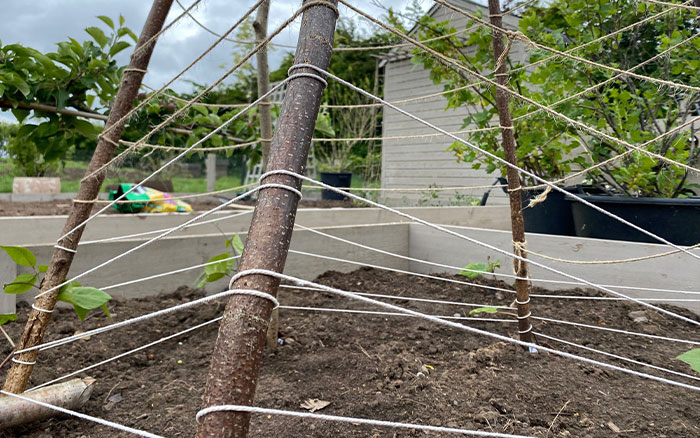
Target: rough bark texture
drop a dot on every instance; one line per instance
(522, 287)
(72, 395)
(264, 111)
(237, 355)
(61, 260)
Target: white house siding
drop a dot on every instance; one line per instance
(422, 162)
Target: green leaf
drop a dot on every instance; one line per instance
(223, 267)
(97, 34)
(7, 317)
(106, 20)
(121, 20)
(692, 358)
(21, 256)
(84, 297)
(21, 284)
(61, 98)
(81, 312)
(85, 128)
(118, 47)
(484, 310)
(470, 269)
(42, 268)
(20, 115)
(106, 310)
(235, 243)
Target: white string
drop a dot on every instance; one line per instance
(401, 271)
(116, 325)
(72, 251)
(626, 359)
(496, 274)
(84, 416)
(499, 159)
(146, 233)
(555, 321)
(21, 362)
(127, 353)
(493, 248)
(180, 155)
(614, 330)
(166, 274)
(437, 320)
(352, 420)
(374, 312)
(40, 309)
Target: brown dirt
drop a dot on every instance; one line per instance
(367, 366)
(62, 207)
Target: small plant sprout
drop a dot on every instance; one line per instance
(226, 262)
(83, 299)
(492, 309)
(473, 270)
(692, 358)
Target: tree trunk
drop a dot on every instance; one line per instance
(522, 285)
(264, 111)
(18, 376)
(238, 352)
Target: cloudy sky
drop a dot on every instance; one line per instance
(42, 23)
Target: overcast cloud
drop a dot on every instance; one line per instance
(42, 23)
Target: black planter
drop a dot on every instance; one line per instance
(551, 216)
(335, 179)
(676, 220)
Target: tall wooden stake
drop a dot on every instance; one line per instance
(522, 287)
(264, 111)
(235, 364)
(18, 376)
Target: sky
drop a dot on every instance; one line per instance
(42, 23)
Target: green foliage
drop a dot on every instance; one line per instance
(473, 270)
(7, 317)
(692, 358)
(83, 75)
(630, 109)
(83, 299)
(222, 264)
(19, 255)
(484, 310)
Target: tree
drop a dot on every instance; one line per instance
(84, 76)
(631, 109)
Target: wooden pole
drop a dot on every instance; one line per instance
(235, 363)
(18, 376)
(522, 286)
(71, 395)
(265, 113)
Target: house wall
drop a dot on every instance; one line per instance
(422, 162)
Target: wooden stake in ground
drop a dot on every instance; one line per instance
(71, 395)
(522, 287)
(235, 364)
(61, 260)
(264, 111)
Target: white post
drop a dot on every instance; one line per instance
(8, 272)
(211, 171)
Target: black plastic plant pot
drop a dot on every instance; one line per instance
(551, 216)
(676, 220)
(339, 179)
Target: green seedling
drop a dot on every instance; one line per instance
(692, 358)
(225, 264)
(473, 270)
(82, 298)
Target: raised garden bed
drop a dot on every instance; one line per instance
(367, 366)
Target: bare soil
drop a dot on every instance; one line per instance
(383, 367)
